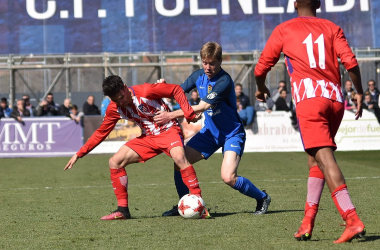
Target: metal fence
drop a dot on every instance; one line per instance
(75, 76)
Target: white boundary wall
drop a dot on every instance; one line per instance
(273, 132)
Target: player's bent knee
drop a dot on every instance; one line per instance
(114, 164)
(229, 180)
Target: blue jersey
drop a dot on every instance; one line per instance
(222, 118)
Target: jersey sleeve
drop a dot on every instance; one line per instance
(270, 55)
(343, 50)
(166, 90)
(109, 122)
(220, 91)
(190, 82)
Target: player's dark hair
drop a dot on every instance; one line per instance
(112, 85)
(308, 3)
(3, 99)
(211, 50)
(238, 84)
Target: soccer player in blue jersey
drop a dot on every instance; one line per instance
(223, 127)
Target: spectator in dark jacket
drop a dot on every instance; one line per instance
(194, 98)
(89, 108)
(5, 110)
(48, 107)
(65, 108)
(247, 111)
(29, 106)
(372, 89)
(20, 111)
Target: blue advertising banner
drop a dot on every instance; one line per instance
(93, 26)
(39, 137)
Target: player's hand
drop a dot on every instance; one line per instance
(358, 98)
(162, 80)
(197, 117)
(162, 117)
(71, 162)
(262, 94)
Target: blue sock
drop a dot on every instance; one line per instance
(246, 187)
(179, 185)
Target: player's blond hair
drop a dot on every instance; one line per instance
(211, 50)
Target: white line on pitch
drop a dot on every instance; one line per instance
(164, 184)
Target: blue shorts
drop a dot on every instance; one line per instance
(205, 143)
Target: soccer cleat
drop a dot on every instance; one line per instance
(306, 229)
(172, 212)
(354, 229)
(263, 204)
(206, 215)
(121, 213)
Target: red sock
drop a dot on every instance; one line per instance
(315, 185)
(119, 180)
(189, 177)
(343, 202)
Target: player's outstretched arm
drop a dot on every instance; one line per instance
(162, 117)
(71, 162)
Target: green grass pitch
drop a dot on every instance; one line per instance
(44, 207)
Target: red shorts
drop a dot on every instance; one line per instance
(149, 146)
(319, 119)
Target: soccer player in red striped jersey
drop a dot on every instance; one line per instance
(140, 104)
(311, 47)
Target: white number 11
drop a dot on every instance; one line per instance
(321, 51)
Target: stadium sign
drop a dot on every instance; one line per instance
(194, 8)
(39, 137)
(95, 26)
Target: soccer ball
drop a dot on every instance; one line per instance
(191, 206)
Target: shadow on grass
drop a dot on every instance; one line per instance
(370, 238)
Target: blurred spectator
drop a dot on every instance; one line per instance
(372, 89)
(194, 98)
(89, 108)
(48, 107)
(369, 103)
(347, 90)
(172, 104)
(5, 110)
(238, 105)
(282, 104)
(276, 93)
(29, 106)
(65, 108)
(349, 103)
(106, 101)
(75, 115)
(264, 106)
(247, 112)
(20, 111)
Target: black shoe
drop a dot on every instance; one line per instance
(124, 211)
(172, 212)
(263, 204)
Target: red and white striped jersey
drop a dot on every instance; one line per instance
(311, 47)
(146, 101)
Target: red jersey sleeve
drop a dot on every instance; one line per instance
(271, 53)
(343, 50)
(166, 90)
(109, 122)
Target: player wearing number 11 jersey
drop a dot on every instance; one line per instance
(311, 47)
